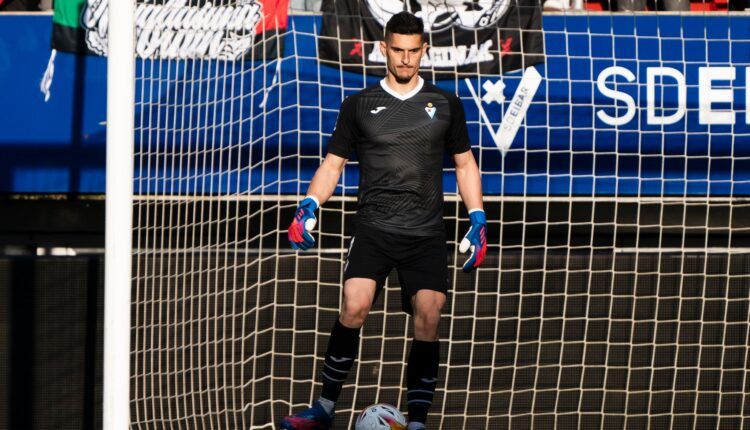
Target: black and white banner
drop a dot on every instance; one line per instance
(465, 37)
(179, 29)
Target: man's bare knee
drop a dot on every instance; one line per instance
(354, 313)
(358, 296)
(427, 306)
(427, 319)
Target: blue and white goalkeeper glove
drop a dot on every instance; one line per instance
(475, 240)
(303, 222)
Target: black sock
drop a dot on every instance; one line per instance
(421, 378)
(342, 351)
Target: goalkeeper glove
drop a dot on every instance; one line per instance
(303, 222)
(475, 240)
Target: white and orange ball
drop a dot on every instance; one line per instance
(381, 417)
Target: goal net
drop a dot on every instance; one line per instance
(615, 292)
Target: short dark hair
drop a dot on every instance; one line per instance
(404, 23)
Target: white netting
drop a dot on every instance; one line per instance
(615, 290)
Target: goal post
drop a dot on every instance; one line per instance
(119, 215)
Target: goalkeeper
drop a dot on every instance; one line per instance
(400, 130)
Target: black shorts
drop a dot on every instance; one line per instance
(421, 261)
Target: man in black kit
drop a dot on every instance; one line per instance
(400, 130)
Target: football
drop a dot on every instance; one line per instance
(381, 417)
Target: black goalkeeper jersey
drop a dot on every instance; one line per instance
(400, 142)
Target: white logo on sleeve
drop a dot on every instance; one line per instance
(378, 109)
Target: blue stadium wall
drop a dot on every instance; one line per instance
(567, 148)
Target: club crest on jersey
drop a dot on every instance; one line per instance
(430, 109)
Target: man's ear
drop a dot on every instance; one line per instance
(425, 46)
(382, 48)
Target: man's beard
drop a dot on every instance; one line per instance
(399, 79)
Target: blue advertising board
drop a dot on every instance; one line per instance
(626, 105)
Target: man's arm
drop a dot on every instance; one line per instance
(324, 182)
(321, 187)
(469, 181)
(470, 187)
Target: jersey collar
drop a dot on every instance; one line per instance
(406, 96)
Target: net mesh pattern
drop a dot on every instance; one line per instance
(623, 309)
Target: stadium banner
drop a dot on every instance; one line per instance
(177, 29)
(622, 105)
(465, 37)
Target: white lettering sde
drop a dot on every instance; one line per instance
(715, 86)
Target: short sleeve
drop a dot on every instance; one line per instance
(346, 133)
(457, 139)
